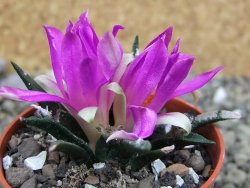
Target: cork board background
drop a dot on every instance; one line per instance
(216, 32)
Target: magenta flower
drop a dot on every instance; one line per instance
(81, 65)
(90, 75)
(152, 79)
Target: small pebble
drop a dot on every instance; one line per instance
(179, 180)
(98, 166)
(196, 162)
(157, 166)
(48, 171)
(206, 171)
(7, 162)
(93, 180)
(89, 186)
(194, 175)
(59, 183)
(178, 169)
(37, 136)
(36, 162)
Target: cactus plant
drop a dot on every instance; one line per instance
(106, 104)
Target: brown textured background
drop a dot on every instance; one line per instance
(216, 32)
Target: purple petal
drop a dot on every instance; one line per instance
(122, 135)
(168, 35)
(91, 79)
(141, 82)
(55, 38)
(176, 47)
(30, 96)
(86, 33)
(196, 82)
(109, 54)
(69, 26)
(172, 59)
(175, 76)
(116, 28)
(144, 121)
(71, 59)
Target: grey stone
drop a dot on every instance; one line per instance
(147, 182)
(30, 183)
(184, 154)
(41, 178)
(48, 171)
(29, 147)
(236, 176)
(52, 182)
(17, 176)
(196, 162)
(206, 171)
(14, 142)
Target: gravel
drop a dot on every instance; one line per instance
(236, 169)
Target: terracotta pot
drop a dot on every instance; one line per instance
(216, 151)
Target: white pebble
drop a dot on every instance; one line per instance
(220, 95)
(194, 175)
(7, 162)
(36, 162)
(157, 166)
(189, 147)
(179, 180)
(89, 186)
(59, 183)
(98, 166)
(37, 136)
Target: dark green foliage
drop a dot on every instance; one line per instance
(135, 46)
(212, 117)
(191, 139)
(57, 130)
(101, 149)
(67, 120)
(194, 139)
(144, 159)
(129, 148)
(73, 150)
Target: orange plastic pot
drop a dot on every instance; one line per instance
(215, 151)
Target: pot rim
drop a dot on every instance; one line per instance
(16, 123)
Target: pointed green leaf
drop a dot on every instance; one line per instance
(191, 139)
(194, 139)
(212, 117)
(31, 84)
(73, 150)
(57, 130)
(135, 46)
(26, 78)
